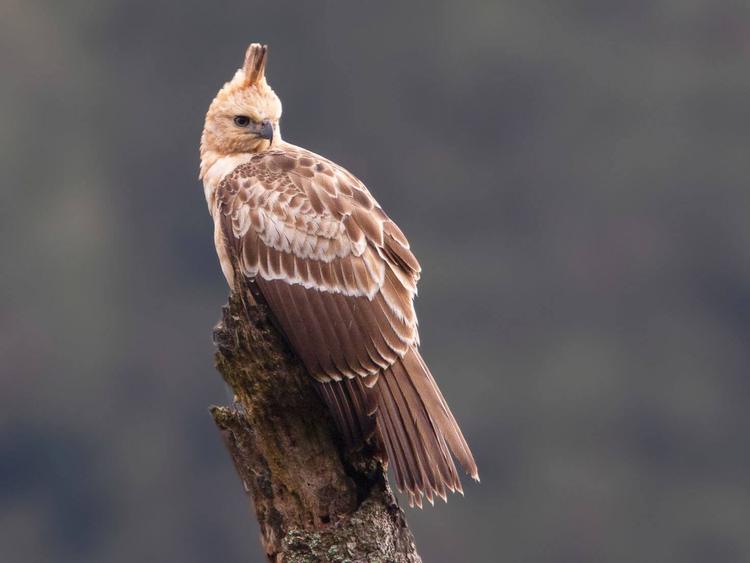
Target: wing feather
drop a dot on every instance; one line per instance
(345, 271)
(339, 278)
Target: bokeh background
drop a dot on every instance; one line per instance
(573, 176)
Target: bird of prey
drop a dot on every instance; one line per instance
(339, 279)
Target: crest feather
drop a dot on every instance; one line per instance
(255, 63)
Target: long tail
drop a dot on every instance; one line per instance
(413, 422)
(419, 431)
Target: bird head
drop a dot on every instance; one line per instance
(244, 115)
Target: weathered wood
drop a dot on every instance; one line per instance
(314, 501)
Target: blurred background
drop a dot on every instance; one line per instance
(572, 175)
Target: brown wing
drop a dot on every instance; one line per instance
(336, 271)
(340, 279)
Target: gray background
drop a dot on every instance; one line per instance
(572, 175)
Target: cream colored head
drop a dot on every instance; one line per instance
(244, 116)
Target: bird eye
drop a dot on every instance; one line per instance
(241, 120)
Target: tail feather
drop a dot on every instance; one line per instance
(439, 408)
(417, 460)
(393, 448)
(429, 432)
(414, 424)
(415, 419)
(352, 405)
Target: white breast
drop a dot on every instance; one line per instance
(217, 171)
(213, 176)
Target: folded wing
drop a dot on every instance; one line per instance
(336, 271)
(340, 279)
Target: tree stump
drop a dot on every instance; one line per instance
(315, 501)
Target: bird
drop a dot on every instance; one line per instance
(339, 279)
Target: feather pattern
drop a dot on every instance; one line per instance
(340, 279)
(296, 218)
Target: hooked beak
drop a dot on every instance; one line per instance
(266, 130)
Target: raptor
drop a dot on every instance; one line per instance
(338, 276)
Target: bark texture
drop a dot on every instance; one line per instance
(314, 500)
